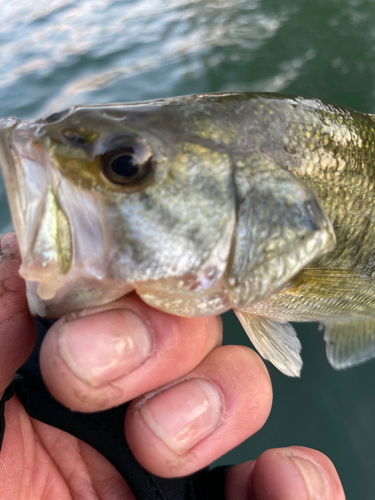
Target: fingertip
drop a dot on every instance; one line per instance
(295, 473)
(318, 464)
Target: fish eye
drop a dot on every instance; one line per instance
(127, 162)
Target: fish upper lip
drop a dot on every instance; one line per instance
(16, 147)
(8, 123)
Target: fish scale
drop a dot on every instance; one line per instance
(256, 202)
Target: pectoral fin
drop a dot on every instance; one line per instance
(277, 342)
(349, 343)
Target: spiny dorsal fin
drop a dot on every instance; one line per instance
(277, 342)
(349, 343)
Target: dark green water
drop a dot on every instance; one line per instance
(57, 53)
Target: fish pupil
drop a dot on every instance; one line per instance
(125, 166)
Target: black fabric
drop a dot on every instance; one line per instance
(104, 432)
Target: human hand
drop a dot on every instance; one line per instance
(193, 401)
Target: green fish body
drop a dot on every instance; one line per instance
(259, 203)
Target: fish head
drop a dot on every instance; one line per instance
(108, 199)
(177, 199)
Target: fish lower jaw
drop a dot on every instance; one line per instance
(53, 299)
(48, 290)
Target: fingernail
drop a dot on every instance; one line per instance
(184, 414)
(100, 348)
(315, 484)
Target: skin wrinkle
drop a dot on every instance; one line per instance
(75, 471)
(49, 489)
(92, 484)
(82, 396)
(84, 481)
(107, 487)
(9, 285)
(181, 461)
(19, 422)
(48, 481)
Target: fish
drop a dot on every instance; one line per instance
(261, 203)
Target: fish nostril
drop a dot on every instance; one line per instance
(72, 135)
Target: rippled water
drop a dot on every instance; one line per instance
(57, 53)
(65, 52)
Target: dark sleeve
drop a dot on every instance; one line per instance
(104, 432)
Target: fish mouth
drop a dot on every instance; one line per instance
(63, 239)
(32, 198)
(31, 184)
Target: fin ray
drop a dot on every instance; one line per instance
(276, 342)
(349, 343)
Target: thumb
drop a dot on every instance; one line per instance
(17, 327)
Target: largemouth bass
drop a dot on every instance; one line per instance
(254, 202)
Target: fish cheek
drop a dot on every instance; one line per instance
(182, 228)
(80, 170)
